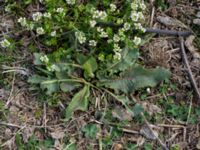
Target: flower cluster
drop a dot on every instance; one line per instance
(89, 31)
(98, 14)
(113, 7)
(50, 67)
(37, 16)
(80, 36)
(5, 43)
(71, 2)
(118, 38)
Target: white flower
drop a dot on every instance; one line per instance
(134, 6)
(80, 36)
(5, 43)
(140, 15)
(71, 2)
(127, 26)
(120, 21)
(53, 33)
(47, 15)
(44, 59)
(30, 26)
(8, 8)
(116, 38)
(142, 6)
(113, 7)
(134, 16)
(93, 23)
(110, 41)
(22, 21)
(40, 31)
(99, 29)
(37, 16)
(92, 43)
(137, 41)
(99, 14)
(138, 26)
(103, 34)
(53, 68)
(117, 56)
(60, 10)
(143, 29)
(117, 48)
(121, 34)
(102, 15)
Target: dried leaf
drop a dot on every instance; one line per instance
(121, 114)
(198, 144)
(146, 132)
(151, 108)
(58, 134)
(117, 146)
(27, 133)
(168, 21)
(191, 48)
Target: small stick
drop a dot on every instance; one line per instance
(169, 32)
(152, 12)
(11, 92)
(10, 125)
(130, 131)
(170, 126)
(184, 56)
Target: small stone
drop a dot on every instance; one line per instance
(198, 14)
(196, 21)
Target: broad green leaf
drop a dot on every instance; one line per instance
(36, 79)
(37, 60)
(69, 86)
(81, 59)
(90, 66)
(79, 102)
(135, 78)
(51, 87)
(128, 60)
(45, 83)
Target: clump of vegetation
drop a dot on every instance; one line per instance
(92, 45)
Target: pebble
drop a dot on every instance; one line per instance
(198, 14)
(196, 21)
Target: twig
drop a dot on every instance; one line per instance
(172, 137)
(184, 56)
(189, 111)
(45, 117)
(170, 126)
(130, 131)
(10, 125)
(11, 92)
(123, 129)
(152, 12)
(169, 32)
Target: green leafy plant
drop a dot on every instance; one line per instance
(91, 45)
(90, 130)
